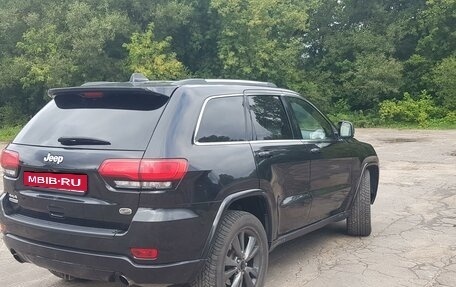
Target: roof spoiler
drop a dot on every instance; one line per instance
(94, 90)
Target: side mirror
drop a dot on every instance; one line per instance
(346, 130)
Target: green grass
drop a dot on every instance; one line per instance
(371, 121)
(430, 126)
(7, 134)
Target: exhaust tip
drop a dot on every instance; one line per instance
(125, 281)
(17, 256)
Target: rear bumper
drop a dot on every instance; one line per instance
(96, 266)
(102, 254)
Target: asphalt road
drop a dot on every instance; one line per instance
(413, 242)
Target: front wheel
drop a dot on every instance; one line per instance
(359, 219)
(239, 253)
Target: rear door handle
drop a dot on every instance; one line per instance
(315, 150)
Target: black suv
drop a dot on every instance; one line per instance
(177, 182)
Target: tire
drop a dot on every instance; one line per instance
(66, 277)
(239, 235)
(359, 219)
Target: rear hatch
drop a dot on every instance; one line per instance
(61, 150)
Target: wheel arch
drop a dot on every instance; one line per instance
(374, 180)
(256, 202)
(370, 164)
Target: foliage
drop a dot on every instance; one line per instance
(444, 75)
(409, 110)
(358, 118)
(372, 79)
(7, 134)
(448, 122)
(354, 59)
(260, 39)
(153, 58)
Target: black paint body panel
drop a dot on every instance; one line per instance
(302, 189)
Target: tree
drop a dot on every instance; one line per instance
(261, 39)
(349, 53)
(372, 79)
(444, 75)
(437, 25)
(61, 44)
(153, 58)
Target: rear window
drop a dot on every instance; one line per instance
(223, 121)
(120, 120)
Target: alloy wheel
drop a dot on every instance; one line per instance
(243, 260)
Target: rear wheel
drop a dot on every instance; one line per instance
(359, 220)
(239, 253)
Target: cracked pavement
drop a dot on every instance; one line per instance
(413, 242)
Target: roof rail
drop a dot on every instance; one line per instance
(241, 82)
(140, 79)
(190, 82)
(224, 82)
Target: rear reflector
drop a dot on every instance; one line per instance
(143, 173)
(144, 253)
(10, 163)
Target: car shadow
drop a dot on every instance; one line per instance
(284, 255)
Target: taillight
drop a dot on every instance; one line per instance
(143, 173)
(144, 253)
(10, 163)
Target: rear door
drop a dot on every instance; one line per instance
(283, 162)
(63, 146)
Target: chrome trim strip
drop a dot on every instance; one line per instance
(220, 143)
(294, 141)
(249, 92)
(274, 92)
(290, 141)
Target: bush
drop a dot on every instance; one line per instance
(10, 116)
(361, 119)
(411, 111)
(7, 134)
(447, 122)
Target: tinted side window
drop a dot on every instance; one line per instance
(312, 124)
(270, 122)
(223, 120)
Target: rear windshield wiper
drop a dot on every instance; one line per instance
(82, 141)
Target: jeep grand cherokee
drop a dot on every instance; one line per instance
(171, 182)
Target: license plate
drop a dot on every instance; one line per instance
(60, 181)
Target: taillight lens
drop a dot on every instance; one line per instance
(10, 163)
(144, 173)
